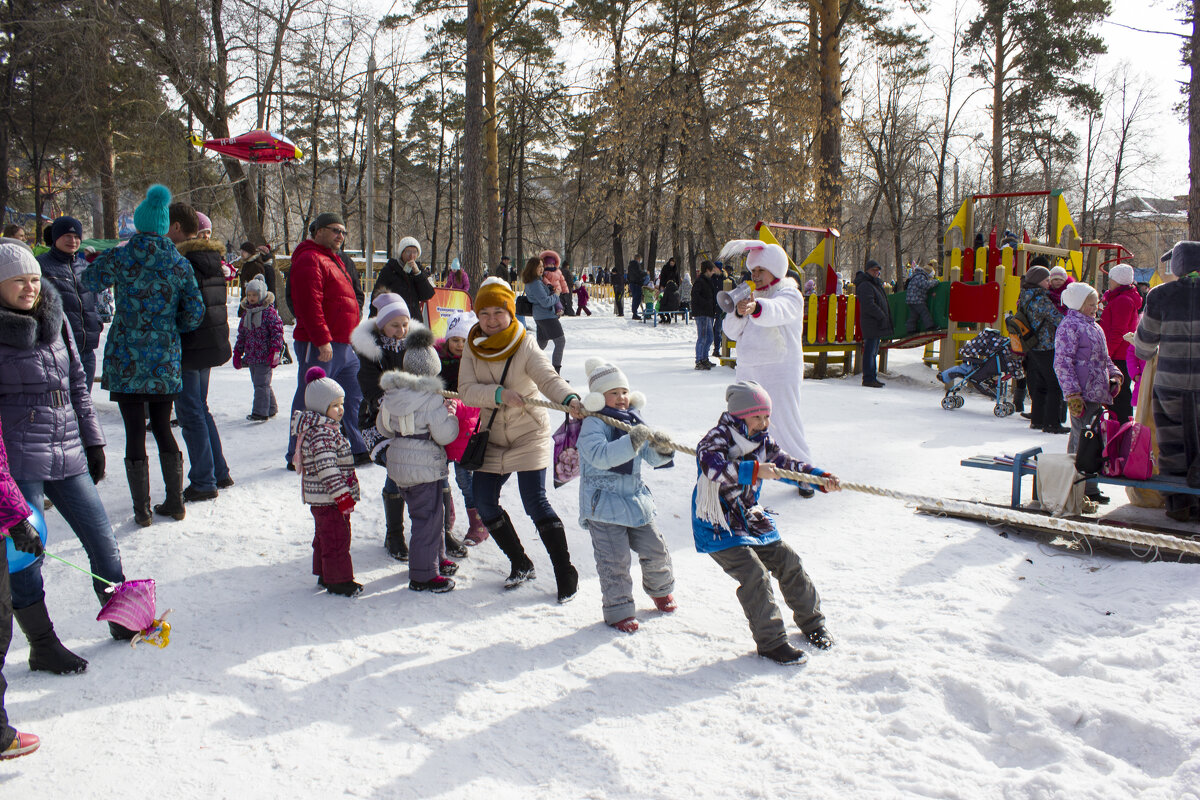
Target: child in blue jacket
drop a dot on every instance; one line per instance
(614, 504)
(729, 524)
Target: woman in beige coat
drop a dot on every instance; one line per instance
(520, 439)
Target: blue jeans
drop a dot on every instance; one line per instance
(200, 432)
(870, 352)
(704, 337)
(88, 359)
(343, 368)
(79, 503)
(532, 485)
(465, 483)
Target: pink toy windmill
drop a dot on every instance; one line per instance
(132, 606)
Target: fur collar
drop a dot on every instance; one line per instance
(200, 246)
(362, 339)
(40, 327)
(396, 379)
(269, 300)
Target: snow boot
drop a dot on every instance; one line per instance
(118, 632)
(785, 654)
(393, 515)
(478, 532)
(137, 473)
(447, 567)
(345, 589)
(505, 536)
(627, 625)
(46, 652)
(666, 604)
(454, 547)
(554, 537)
(437, 585)
(820, 638)
(22, 745)
(172, 472)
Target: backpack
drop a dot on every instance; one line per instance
(1128, 452)
(1021, 333)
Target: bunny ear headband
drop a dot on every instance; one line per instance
(770, 257)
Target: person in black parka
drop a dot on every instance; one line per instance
(875, 318)
(406, 278)
(62, 265)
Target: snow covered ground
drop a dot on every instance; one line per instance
(968, 665)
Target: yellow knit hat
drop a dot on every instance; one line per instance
(496, 293)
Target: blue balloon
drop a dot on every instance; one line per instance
(17, 560)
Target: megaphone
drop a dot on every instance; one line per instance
(728, 300)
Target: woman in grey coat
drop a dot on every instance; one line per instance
(54, 443)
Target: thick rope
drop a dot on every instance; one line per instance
(937, 504)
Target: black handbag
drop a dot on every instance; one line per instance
(476, 449)
(1089, 455)
(524, 306)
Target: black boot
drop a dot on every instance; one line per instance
(505, 536)
(138, 475)
(46, 652)
(118, 632)
(393, 515)
(554, 537)
(172, 472)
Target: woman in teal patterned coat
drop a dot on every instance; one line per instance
(156, 299)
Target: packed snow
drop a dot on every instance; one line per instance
(967, 664)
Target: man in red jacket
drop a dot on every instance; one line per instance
(327, 311)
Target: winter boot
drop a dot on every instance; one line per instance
(393, 515)
(138, 475)
(554, 537)
(118, 632)
(785, 654)
(454, 547)
(172, 472)
(505, 536)
(437, 585)
(22, 745)
(820, 638)
(46, 652)
(478, 532)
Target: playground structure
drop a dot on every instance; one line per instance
(977, 286)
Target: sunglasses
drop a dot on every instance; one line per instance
(336, 231)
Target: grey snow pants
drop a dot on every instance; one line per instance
(612, 544)
(752, 568)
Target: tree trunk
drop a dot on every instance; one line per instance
(829, 168)
(472, 149)
(495, 241)
(106, 158)
(997, 127)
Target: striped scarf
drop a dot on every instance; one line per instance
(496, 347)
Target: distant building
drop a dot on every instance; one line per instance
(1146, 226)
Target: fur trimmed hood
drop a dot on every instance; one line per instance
(269, 300)
(362, 339)
(39, 327)
(201, 246)
(425, 384)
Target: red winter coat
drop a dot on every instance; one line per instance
(1121, 307)
(323, 296)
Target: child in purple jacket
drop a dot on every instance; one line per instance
(259, 346)
(1089, 378)
(13, 523)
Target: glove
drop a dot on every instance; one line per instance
(661, 443)
(1075, 404)
(820, 473)
(237, 360)
(95, 462)
(1114, 385)
(345, 503)
(638, 436)
(25, 538)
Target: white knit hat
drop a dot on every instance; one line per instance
(320, 391)
(1076, 294)
(408, 241)
(17, 259)
(1058, 272)
(1121, 274)
(460, 324)
(771, 257)
(604, 377)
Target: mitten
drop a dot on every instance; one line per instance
(237, 360)
(638, 436)
(95, 462)
(345, 503)
(660, 443)
(1075, 404)
(25, 538)
(276, 358)
(819, 473)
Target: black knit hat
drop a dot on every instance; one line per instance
(325, 220)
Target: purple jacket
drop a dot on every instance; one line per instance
(1081, 359)
(260, 334)
(458, 280)
(45, 402)
(13, 507)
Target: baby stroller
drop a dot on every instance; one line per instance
(988, 365)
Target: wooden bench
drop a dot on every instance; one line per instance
(1025, 463)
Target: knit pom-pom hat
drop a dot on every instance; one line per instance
(151, 214)
(496, 293)
(420, 356)
(320, 391)
(604, 377)
(205, 222)
(389, 306)
(259, 285)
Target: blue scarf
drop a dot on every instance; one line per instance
(629, 417)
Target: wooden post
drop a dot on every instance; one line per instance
(949, 349)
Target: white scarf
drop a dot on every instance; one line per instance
(708, 491)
